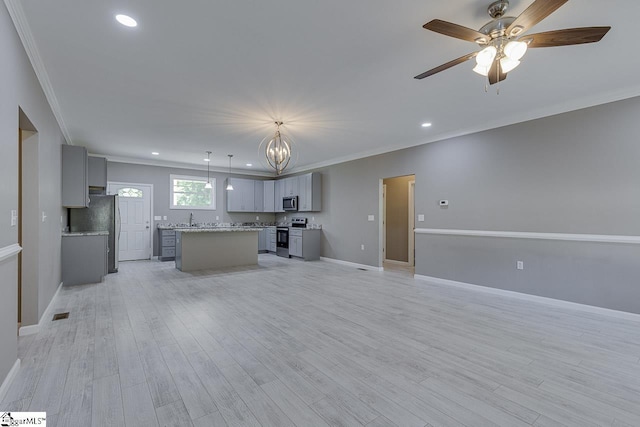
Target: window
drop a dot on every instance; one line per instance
(188, 192)
(130, 192)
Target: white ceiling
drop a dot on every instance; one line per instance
(204, 75)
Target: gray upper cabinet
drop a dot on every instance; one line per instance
(269, 199)
(291, 186)
(97, 172)
(310, 192)
(75, 177)
(242, 197)
(279, 194)
(266, 196)
(258, 196)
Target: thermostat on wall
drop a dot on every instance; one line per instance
(444, 203)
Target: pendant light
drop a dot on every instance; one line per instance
(208, 160)
(229, 186)
(277, 150)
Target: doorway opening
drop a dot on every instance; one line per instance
(28, 223)
(398, 222)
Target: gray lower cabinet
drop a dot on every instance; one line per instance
(271, 239)
(304, 243)
(167, 245)
(263, 237)
(84, 259)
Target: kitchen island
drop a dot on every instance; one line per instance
(213, 248)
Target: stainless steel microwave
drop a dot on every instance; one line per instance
(290, 203)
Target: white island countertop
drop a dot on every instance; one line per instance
(218, 229)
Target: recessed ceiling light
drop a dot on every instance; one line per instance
(249, 164)
(207, 160)
(126, 20)
(155, 153)
(426, 125)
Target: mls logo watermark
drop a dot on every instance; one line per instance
(9, 419)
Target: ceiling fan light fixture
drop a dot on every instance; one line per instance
(486, 56)
(515, 50)
(482, 70)
(507, 64)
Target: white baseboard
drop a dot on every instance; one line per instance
(534, 298)
(393, 261)
(351, 264)
(28, 330)
(34, 329)
(9, 379)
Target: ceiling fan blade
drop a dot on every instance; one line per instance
(446, 66)
(457, 31)
(495, 73)
(536, 12)
(566, 37)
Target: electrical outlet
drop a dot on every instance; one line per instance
(362, 247)
(520, 265)
(44, 216)
(371, 218)
(421, 218)
(14, 218)
(164, 218)
(257, 218)
(217, 218)
(313, 219)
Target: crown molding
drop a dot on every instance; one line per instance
(24, 32)
(178, 165)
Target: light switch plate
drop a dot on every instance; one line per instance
(371, 218)
(217, 218)
(421, 218)
(157, 218)
(164, 218)
(14, 218)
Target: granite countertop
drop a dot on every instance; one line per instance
(218, 229)
(84, 233)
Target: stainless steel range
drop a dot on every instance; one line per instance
(282, 236)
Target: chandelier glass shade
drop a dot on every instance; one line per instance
(509, 56)
(278, 150)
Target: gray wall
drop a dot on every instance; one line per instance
(21, 90)
(397, 221)
(159, 177)
(572, 173)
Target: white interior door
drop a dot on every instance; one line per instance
(135, 220)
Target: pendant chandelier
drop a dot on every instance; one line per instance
(208, 160)
(277, 150)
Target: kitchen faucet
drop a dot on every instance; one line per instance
(191, 219)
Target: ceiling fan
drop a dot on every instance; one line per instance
(504, 41)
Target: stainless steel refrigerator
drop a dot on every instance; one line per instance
(103, 214)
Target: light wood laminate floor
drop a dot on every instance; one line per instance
(312, 344)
